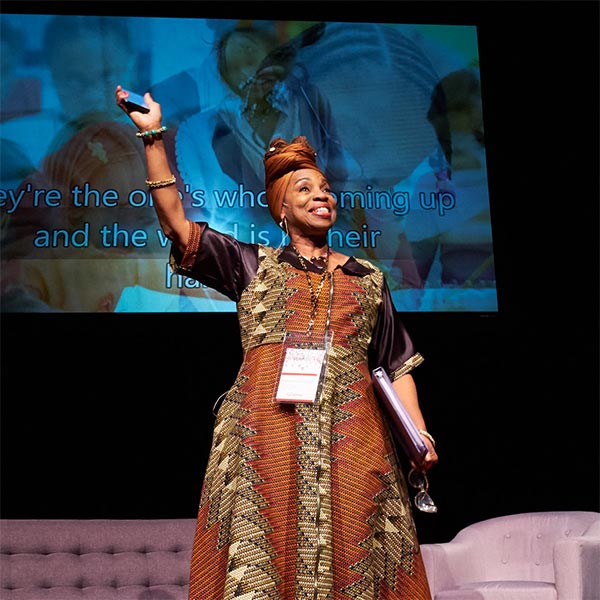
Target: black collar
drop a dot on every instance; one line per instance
(351, 266)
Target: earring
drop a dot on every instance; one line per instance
(283, 225)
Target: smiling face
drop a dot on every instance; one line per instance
(309, 206)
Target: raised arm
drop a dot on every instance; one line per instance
(160, 180)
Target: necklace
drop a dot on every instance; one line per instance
(320, 261)
(314, 296)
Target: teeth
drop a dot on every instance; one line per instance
(321, 210)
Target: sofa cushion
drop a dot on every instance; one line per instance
(500, 590)
(99, 559)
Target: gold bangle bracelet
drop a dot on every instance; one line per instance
(160, 183)
(428, 436)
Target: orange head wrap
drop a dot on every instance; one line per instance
(281, 160)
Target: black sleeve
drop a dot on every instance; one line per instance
(222, 262)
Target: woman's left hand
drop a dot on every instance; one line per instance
(431, 458)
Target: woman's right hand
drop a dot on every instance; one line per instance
(143, 121)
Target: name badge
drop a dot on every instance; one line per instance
(303, 365)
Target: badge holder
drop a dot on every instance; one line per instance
(303, 365)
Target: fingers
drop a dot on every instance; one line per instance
(431, 458)
(120, 96)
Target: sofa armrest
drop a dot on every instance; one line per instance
(447, 565)
(576, 568)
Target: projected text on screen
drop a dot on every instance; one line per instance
(394, 112)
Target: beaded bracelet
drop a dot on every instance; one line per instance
(428, 436)
(151, 132)
(160, 183)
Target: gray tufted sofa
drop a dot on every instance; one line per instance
(95, 559)
(553, 556)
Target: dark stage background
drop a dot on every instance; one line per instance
(109, 415)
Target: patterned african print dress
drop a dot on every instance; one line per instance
(303, 501)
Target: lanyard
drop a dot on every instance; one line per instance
(314, 296)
